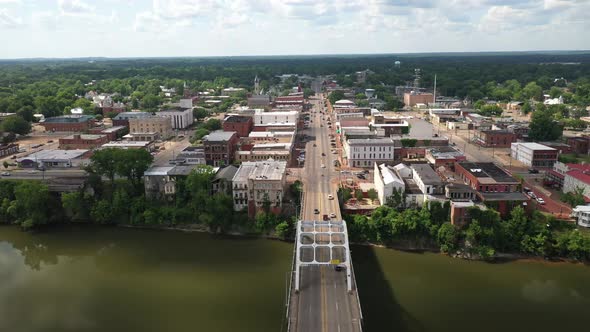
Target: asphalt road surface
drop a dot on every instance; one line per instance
(323, 302)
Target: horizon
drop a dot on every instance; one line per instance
(62, 29)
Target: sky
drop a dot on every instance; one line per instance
(168, 28)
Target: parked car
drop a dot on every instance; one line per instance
(330, 197)
(5, 174)
(323, 166)
(332, 215)
(337, 267)
(533, 171)
(541, 201)
(316, 211)
(50, 141)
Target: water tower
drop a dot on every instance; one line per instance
(397, 64)
(369, 93)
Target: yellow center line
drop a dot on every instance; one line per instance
(324, 302)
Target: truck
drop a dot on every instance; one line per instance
(326, 218)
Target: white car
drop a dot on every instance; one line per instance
(332, 215)
(323, 166)
(540, 200)
(330, 197)
(5, 174)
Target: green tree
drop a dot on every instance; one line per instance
(372, 194)
(574, 198)
(132, 164)
(543, 127)
(335, 96)
(533, 91)
(104, 162)
(16, 124)
(447, 237)
(358, 194)
(491, 110)
(31, 204)
(150, 101)
(200, 113)
(212, 124)
(5, 164)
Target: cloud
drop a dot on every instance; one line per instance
(46, 20)
(75, 7)
(7, 20)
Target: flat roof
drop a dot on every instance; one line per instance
(131, 115)
(238, 118)
(219, 135)
(118, 144)
(370, 141)
(68, 119)
(534, 146)
(158, 171)
(504, 196)
(84, 136)
(54, 155)
(427, 174)
(261, 170)
(113, 129)
(487, 170)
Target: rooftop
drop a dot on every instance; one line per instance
(227, 172)
(427, 174)
(131, 115)
(504, 196)
(534, 146)
(389, 176)
(54, 155)
(487, 170)
(84, 136)
(158, 171)
(261, 170)
(219, 136)
(237, 119)
(579, 175)
(126, 144)
(370, 141)
(68, 119)
(113, 129)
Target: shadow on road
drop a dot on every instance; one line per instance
(381, 311)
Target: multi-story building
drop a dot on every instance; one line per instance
(8, 149)
(413, 98)
(264, 118)
(80, 141)
(222, 181)
(146, 145)
(258, 183)
(259, 146)
(445, 156)
(582, 214)
(241, 124)
(122, 119)
(556, 176)
(577, 179)
(495, 138)
(220, 147)
(180, 118)
(391, 126)
(112, 133)
(579, 145)
(259, 101)
(366, 152)
(494, 186)
(386, 182)
(534, 154)
(191, 155)
(65, 123)
(151, 124)
(427, 180)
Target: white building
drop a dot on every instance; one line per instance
(534, 154)
(55, 159)
(427, 180)
(366, 152)
(386, 181)
(257, 182)
(575, 179)
(582, 213)
(179, 118)
(262, 118)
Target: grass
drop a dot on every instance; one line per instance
(574, 158)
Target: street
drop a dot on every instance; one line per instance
(324, 303)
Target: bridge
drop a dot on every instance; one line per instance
(323, 294)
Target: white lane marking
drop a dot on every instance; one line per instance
(338, 327)
(336, 305)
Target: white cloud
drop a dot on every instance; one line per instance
(45, 20)
(8, 20)
(75, 7)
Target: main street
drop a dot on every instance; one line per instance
(323, 302)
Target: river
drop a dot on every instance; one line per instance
(113, 279)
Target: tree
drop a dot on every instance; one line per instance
(526, 107)
(574, 198)
(397, 200)
(16, 124)
(490, 110)
(200, 113)
(132, 164)
(372, 194)
(31, 205)
(358, 194)
(150, 101)
(335, 96)
(533, 91)
(543, 127)
(212, 124)
(307, 92)
(447, 237)
(104, 162)
(5, 164)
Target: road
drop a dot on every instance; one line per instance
(323, 302)
(26, 174)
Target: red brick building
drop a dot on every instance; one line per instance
(113, 133)
(242, 125)
(87, 142)
(8, 149)
(220, 147)
(495, 138)
(75, 123)
(579, 144)
(494, 186)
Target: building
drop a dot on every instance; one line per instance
(241, 124)
(259, 101)
(112, 133)
(579, 145)
(81, 141)
(258, 183)
(427, 180)
(180, 118)
(55, 159)
(343, 103)
(160, 181)
(413, 98)
(65, 123)
(220, 147)
(142, 137)
(265, 118)
(556, 176)
(386, 182)
(577, 179)
(231, 91)
(151, 124)
(460, 212)
(191, 155)
(122, 119)
(8, 149)
(366, 152)
(495, 138)
(494, 186)
(391, 126)
(534, 155)
(146, 145)
(445, 156)
(582, 214)
(288, 101)
(222, 181)
(459, 192)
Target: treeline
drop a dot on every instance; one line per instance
(114, 194)
(485, 236)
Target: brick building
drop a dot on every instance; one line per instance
(579, 144)
(79, 141)
(242, 125)
(65, 123)
(220, 147)
(494, 186)
(495, 138)
(151, 124)
(411, 99)
(113, 133)
(8, 149)
(122, 119)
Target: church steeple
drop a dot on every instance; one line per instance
(256, 85)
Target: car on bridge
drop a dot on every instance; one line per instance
(316, 211)
(330, 197)
(332, 215)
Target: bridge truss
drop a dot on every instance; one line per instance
(322, 243)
